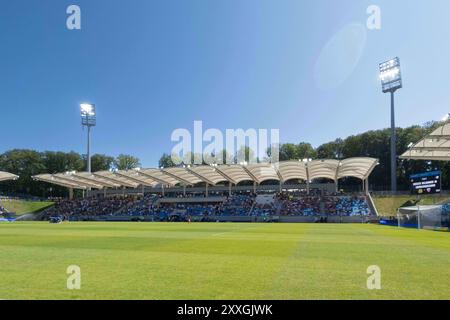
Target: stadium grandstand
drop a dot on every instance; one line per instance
(433, 147)
(282, 172)
(271, 192)
(5, 176)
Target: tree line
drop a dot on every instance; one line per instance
(375, 143)
(26, 163)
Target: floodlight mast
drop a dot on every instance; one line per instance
(391, 81)
(88, 120)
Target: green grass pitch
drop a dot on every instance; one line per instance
(221, 261)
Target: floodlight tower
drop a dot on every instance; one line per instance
(391, 81)
(88, 119)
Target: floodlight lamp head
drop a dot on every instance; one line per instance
(87, 109)
(88, 115)
(390, 75)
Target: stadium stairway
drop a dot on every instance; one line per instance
(250, 212)
(372, 207)
(322, 206)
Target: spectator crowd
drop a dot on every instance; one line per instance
(241, 204)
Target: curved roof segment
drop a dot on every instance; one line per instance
(290, 170)
(323, 169)
(283, 171)
(435, 146)
(359, 168)
(5, 176)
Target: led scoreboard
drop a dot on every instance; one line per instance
(426, 183)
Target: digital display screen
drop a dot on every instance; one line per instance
(426, 183)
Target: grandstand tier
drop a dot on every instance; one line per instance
(289, 206)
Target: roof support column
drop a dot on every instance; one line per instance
(206, 191)
(184, 190)
(367, 186)
(70, 193)
(229, 188)
(254, 187)
(336, 184)
(162, 190)
(307, 178)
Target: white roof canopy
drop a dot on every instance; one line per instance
(4, 176)
(359, 168)
(435, 146)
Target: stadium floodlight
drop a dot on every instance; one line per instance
(88, 116)
(88, 119)
(391, 81)
(390, 75)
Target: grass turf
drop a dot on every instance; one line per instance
(20, 207)
(387, 206)
(221, 261)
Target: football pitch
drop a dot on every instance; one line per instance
(221, 261)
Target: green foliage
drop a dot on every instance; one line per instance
(126, 162)
(24, 163)
(56, 162)
(166, 161)
(100, 162)
(331, 150)
(290, 151)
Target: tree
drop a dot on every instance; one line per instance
(57, 162)
(25, 164)
(303, 150)
(222, 157)
(306, 151)
(166, 161)
(331, 150)
(289, 151)
(126, 162)
(245, 154)
(101, 162)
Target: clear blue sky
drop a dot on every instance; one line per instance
(154, 66)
